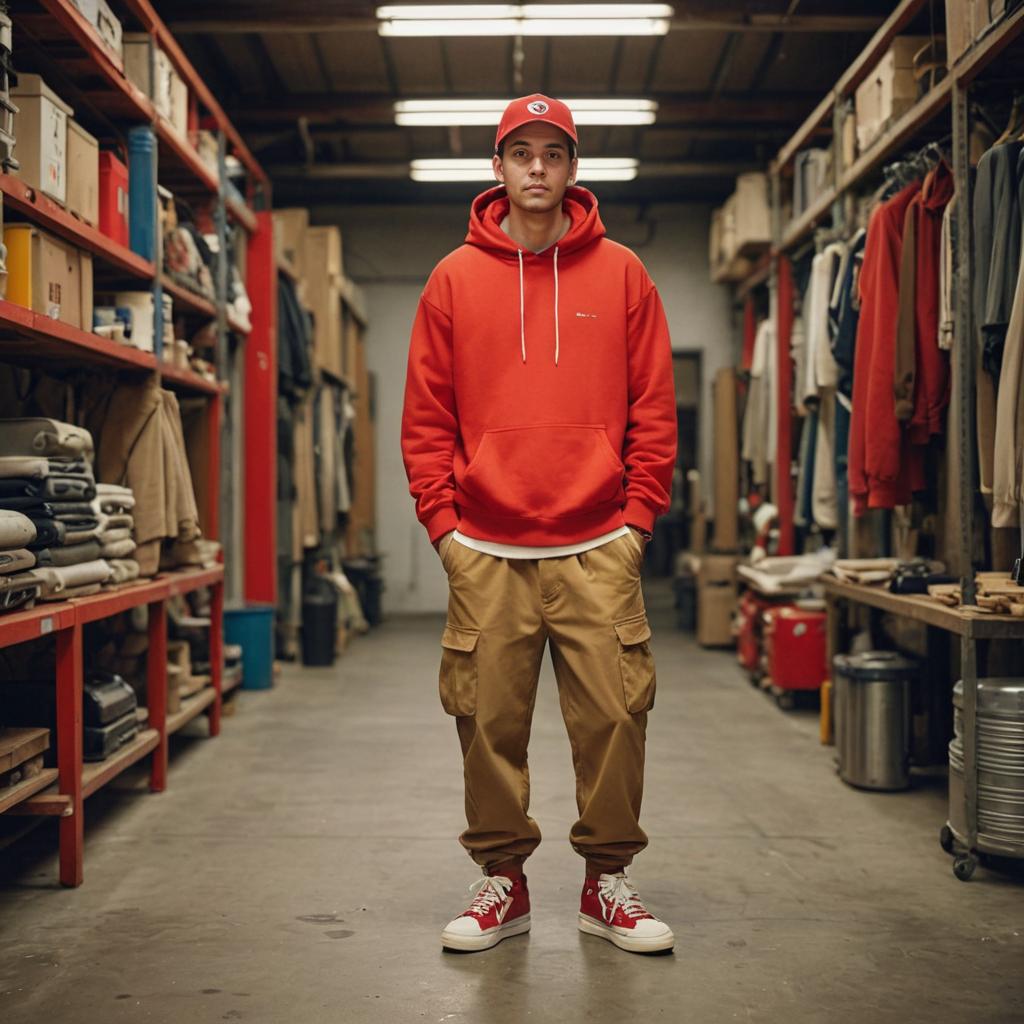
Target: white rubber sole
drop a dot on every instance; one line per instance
(630, 943)
(485, 940)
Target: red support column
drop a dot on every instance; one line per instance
(156, 692)
(784, 452)
(261, 418)
(216, 655)
(69, 751)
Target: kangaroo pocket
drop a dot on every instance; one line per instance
(549, 471)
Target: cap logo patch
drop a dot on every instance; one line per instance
(537, 107)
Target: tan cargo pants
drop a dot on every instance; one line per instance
(501, 612)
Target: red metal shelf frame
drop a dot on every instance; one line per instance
(187, 299)
(66, 620)
(42, 210)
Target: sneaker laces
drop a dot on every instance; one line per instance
(619, 891)
(491, 890)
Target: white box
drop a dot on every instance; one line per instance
(109, 27)
(142, 309)
(41, 128)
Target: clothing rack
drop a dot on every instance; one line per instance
(956, 91)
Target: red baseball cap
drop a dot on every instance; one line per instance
(535, 108)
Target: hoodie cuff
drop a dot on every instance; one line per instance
(443, 520)
(636, 513)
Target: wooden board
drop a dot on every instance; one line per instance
(18, 745)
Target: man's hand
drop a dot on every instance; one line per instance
(442, 542)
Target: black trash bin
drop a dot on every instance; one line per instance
(319, 622)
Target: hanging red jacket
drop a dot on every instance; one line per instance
(883, 470)
(931, 382)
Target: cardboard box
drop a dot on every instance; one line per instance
(323, 251)
(41, 128)
(142, 308)
(48, 275)
(290, 227)
(959, 29)
(108, 25)
(83, 174)
(149, 68)
(323, 296)
(716, 604)
(178, 103)
(889, 90)
(752, 214)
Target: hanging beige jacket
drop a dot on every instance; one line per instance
(1008, 461)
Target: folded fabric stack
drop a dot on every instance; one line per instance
(46, 475)
(18, 585)
(114, 507)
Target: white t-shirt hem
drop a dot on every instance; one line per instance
(521, 551)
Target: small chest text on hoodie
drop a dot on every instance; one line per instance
(587, 316)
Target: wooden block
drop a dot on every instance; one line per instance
(18, 745)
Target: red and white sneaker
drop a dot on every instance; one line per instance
(610, 906)
(500, 908)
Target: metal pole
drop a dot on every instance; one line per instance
(965, 345)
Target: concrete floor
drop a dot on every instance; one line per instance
(300, 867)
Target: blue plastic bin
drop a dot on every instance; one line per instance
(142, 191)
(253, 628)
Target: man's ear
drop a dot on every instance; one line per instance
(499, 174)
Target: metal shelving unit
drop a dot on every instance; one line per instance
(953, 93)
(70, 44)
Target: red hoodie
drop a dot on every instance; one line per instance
(539, 400)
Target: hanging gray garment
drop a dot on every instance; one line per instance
(16, 530)
(18, 560)
(72, 554)
(25, 466)
(824, 496)
(40, 436)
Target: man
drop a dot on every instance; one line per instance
(539, 437)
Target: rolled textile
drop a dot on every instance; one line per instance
(70, 467)
(73, 554)
(41, 436)
(117, 521)
(110, 536)
(119, 549)
(86, 590)
(56, 580)
(124, 570)
(49, 533)
(63, 509)
(77, 535)
(18, 560)
(18, 591)
(50, 488)
(16, 530)
(30, 466)
(116, 491)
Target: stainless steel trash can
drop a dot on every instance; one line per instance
(872, 709)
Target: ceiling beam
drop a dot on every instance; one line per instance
(284, 18)
(358, 109)
(400, 170)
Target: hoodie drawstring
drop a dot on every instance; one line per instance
(522, 306)
(556, 305)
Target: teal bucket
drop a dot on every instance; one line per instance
(253, 628)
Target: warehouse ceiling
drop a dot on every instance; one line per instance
(311, 85)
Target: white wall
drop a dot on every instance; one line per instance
(390, 251)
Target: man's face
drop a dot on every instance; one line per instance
(535, 167)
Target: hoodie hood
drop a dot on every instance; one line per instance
(490, 208)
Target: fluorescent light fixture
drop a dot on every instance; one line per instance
(524, 19)
(595, 169)
(488, 112)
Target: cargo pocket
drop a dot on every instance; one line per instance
(458, 670)
(636, 664)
